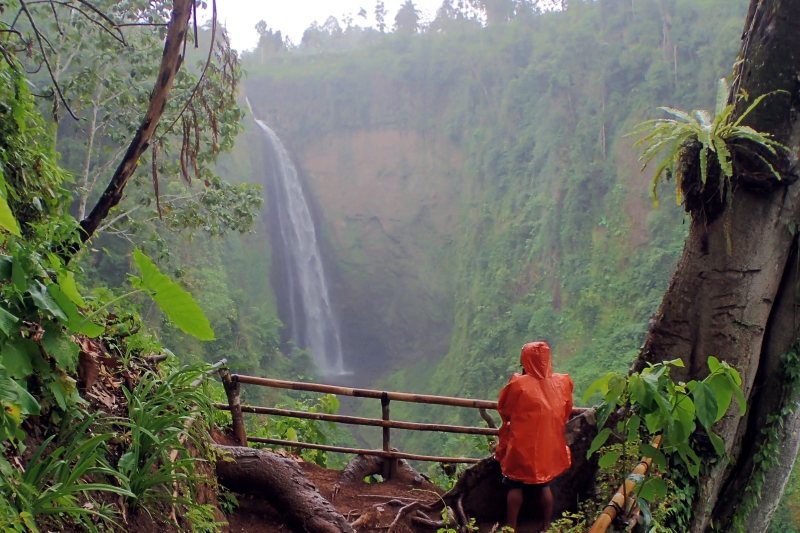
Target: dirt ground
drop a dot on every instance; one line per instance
(370, 507)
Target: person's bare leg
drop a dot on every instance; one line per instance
(546, 501)
(514, 504)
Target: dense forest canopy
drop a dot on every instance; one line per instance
(556, 235)
(470, 178)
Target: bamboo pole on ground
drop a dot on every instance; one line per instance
(624, 494)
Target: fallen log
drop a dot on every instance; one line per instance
(283, 483)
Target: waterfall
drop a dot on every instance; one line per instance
(312, 323)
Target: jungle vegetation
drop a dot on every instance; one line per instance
(557, 237)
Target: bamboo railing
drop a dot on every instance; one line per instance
(233, 382)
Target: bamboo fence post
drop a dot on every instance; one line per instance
(232, 389)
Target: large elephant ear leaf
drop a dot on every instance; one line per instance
(7, 220)
(176, 303)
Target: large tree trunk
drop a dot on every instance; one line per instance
(284, 484)
(734, 292)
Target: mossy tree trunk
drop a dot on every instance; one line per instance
(734, 294)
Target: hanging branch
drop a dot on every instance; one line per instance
(170, 63)
(119, 36)
(202, 74)
(39, 37)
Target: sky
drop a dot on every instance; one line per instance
(292, 17)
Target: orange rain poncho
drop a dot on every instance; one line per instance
(535, 407)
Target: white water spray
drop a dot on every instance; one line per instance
(320, 332)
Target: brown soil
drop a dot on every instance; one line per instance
(376, 504)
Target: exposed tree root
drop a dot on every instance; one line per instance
(284, 484)
(367, 465)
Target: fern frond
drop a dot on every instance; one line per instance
(721, 118)
(771, 168)
(705, 120)
(754, 104)
(680, 114)
(704, 164)
(724, 156)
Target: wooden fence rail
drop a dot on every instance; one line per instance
(358, 421)
(233, 382)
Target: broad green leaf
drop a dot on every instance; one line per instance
(723, 391)
(648, 450)
(655, 421)
(66, 283)
(176, 303)
(8, 391)
(27, 403)
(14, 356)
(44, 301)
(608, 459)
(598, 441)
(600, 385)
(603, 412)
(718, 443)
(737, 392)
(64, 390)
(654, 487)
(639, 391)
(616, 386)
(7, 220)
(19, 276)
(75, 320)
(6, 263)
(59, 346)
(291, 434)
(647, 493)
(633, 428)
(706, 405)
(713, 364)
(684, 415)
(734, 375)
(676, 363)
(690, 458)
(8, 322)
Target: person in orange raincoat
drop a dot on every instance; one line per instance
(535, 407)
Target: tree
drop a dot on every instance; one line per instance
(734, 293)
(406, 22)
(100, 59)
(380, 16)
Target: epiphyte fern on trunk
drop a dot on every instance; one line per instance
(716, 136)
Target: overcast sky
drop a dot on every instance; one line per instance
(292, 17)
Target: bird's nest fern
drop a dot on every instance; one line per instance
(716, 137)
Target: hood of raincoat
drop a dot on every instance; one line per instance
(536, 361)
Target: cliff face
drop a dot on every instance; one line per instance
(475, 188)
(389, 200)
(386, 202)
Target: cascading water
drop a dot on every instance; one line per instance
(312, 322)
